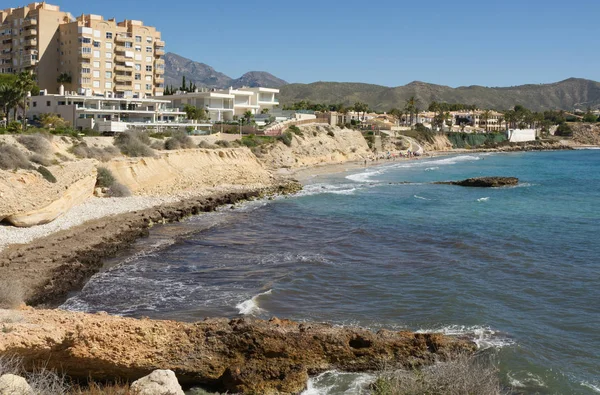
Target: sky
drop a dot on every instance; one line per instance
(385, 42)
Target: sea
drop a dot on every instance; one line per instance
(516, 269)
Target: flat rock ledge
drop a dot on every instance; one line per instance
(484, 182)
(247, 356)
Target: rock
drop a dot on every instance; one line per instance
(14, 385)
(159, 382)
(239, 356)
(484, 182)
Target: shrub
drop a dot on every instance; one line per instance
(48, 176)
(464, 374)
(41, 160)
(179, 140)
(285, 138)
(330, 133)
(223, 143)
(12, 158)
(118, 190)
(104, 178)
(206, 145)
(82, 150)
(11, 296)
(37, 143)
(134, 143)
(296, 130)
(13, 127)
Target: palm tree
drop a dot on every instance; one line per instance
(486, 115)
(412, 107)
(64, 78)
(24, 85)
(248, 116)
(361, 107)
(9, 99)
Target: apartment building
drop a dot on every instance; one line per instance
(108, 114)
(228, 104)
(29, 42)
(87, 55)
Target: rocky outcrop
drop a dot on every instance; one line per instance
(27, 199)
(240, 355)
(316, 145)
(586, 133)
(484, 182)
(159, 382)
(14, 385)
(190, 170)
(47, 269)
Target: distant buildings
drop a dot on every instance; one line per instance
(88, 55)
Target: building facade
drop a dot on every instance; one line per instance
(87, 55)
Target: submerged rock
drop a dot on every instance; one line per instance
(238, 356)
(484, 182)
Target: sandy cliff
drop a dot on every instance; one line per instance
(317, 145)
(190, 170)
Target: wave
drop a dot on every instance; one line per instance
(528, 381)
(420, 197)
(363, 177)
(483, 199)
(432, 168)
(594, 387)
(483, 336)
(251, 306)
(335, 382)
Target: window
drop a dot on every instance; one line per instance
(137, 86)
(96, 54)
(138, 77)
(86, 50)
(128, 45)
(138, 39)
(96, 84)
(85, 40)
(47, 104)
(96, 64)
(108, 65)
(148, 68)
(109, 35)
(108, 45)
(85, 70)
(108, 55)
(148, 59)
(138, 67)
(62, 103)
(108, 74)
(96, 74)
(138, 56)
(148, 87)
(149, 78)
(108, 85)
(138, 48)
(97, 44)
(149, 49)
(148, 39)
(84, 80)
(35, 104)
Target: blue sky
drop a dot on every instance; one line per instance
(455, 43)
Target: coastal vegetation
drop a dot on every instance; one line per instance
(134, 143)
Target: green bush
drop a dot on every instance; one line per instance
(285, 138)
(104, 178)
(206, 145)
(118, 190)
(330, 133)
(255, 141)
(134, 144)
(48, 176)
(14, 127)
(12, 158)
(296, 130)
(41, 160)
(223, 143)
(82, 150)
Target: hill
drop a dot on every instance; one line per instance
(205, 76)
(567, 94)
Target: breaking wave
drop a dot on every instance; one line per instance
(251, 306)
(483, 336)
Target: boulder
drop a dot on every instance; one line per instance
(159, 382)
(14, 385)
(484, 182)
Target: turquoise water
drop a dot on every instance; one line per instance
(516, 269)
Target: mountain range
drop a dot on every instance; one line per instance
(566, 95)
(176, 67)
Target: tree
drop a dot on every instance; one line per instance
(183, 84)
(64, 78)
(589, 116)
(9, 99)
(412, 108)
(361, 107)
(50, 120)
(486, 115)
(264, 111)
(248, 116)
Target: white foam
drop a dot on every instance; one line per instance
(483, 199)
(335, 382)
(594, 387)
(432, 168)
(586, 148)
(251, 306)
(526, 379)
(363, 177)
(317, 189)
(420, 197)
(483, 336)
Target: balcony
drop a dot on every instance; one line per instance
(85, 55)
(124, 78)
(122, 59)
(159, 43)
(7, 41)
(158, 62)
(28, 62)
(159, 80)
(30, 22)
(159, 52)
(123, 38)
(31, 33)
(159, 72)
(32, 42)
(123, 87)
(121, 67)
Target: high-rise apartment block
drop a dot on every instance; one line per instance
(86, 55)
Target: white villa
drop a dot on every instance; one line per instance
(225, 104)
(107, 114)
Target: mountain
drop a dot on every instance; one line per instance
(567, 94)
(176, 67)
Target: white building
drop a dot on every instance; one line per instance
(106, 114)
(521, 135)
(224, 105)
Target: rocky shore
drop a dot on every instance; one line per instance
(247, 356)
(44, 271)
